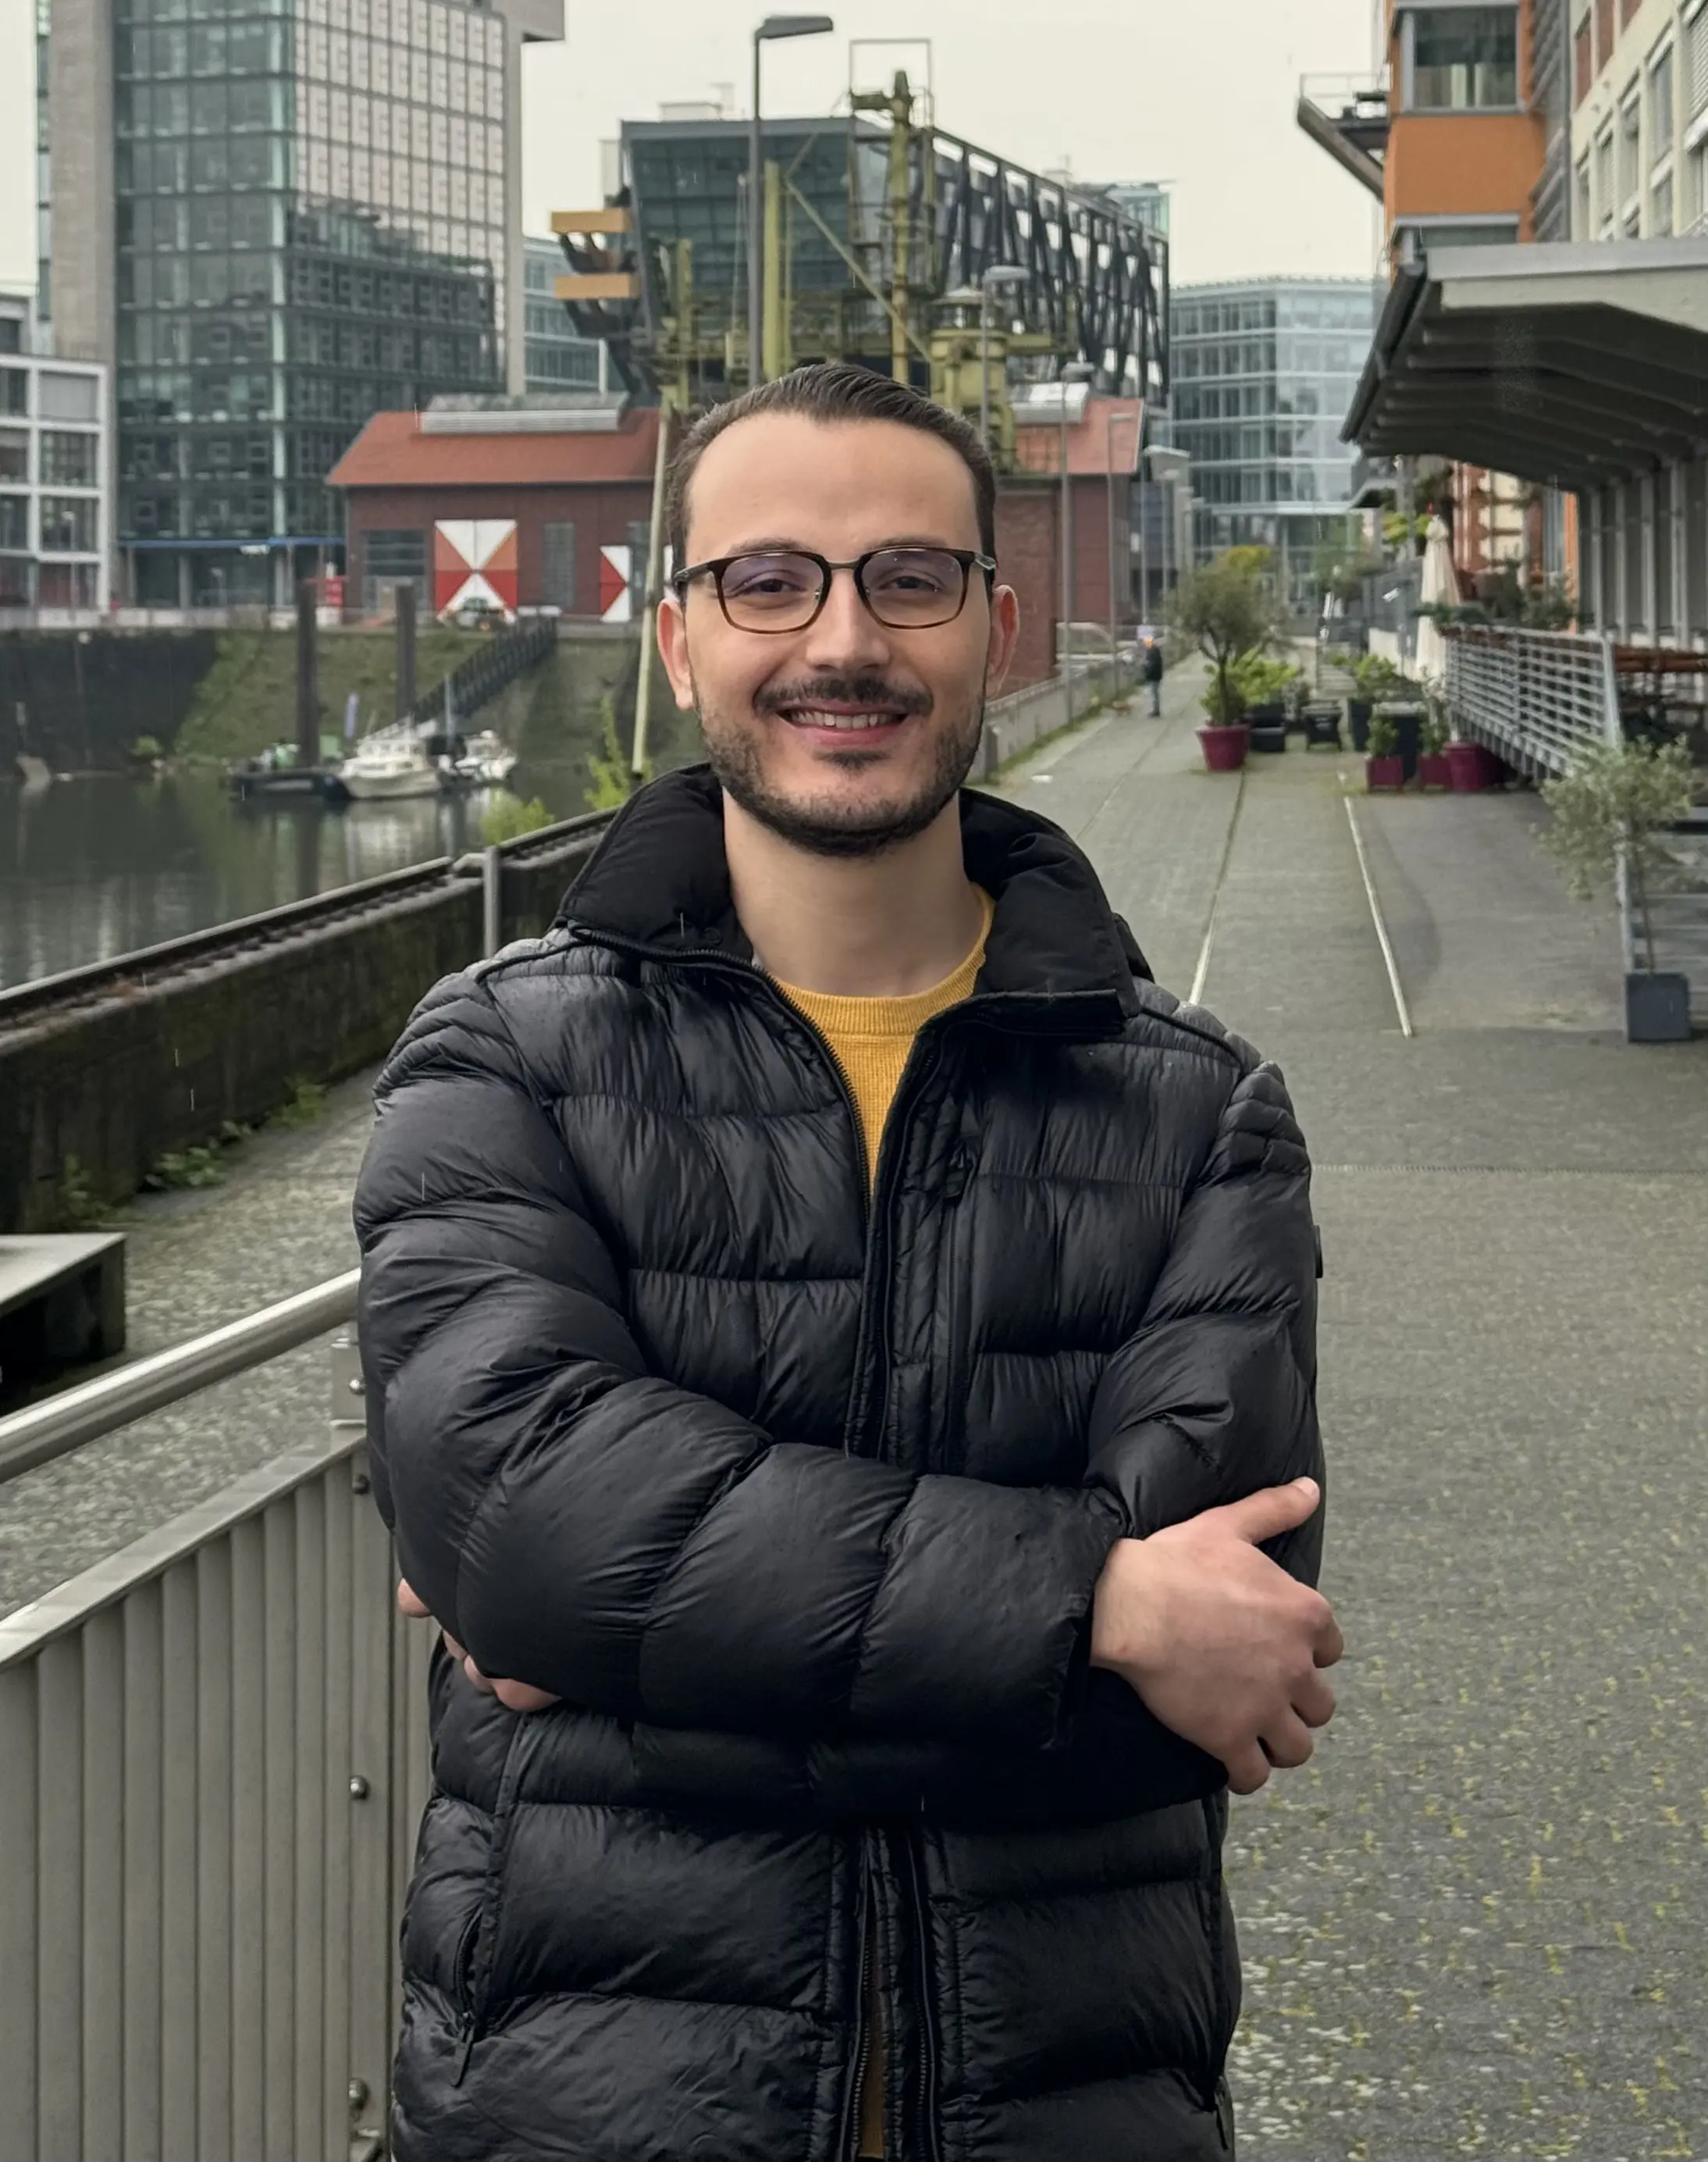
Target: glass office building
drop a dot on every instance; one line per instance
(558, 361)
(1264, 374)
(311, 228)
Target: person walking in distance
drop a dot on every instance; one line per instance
(1153, 675)
(841, 1355)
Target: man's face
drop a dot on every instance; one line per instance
(768, 702)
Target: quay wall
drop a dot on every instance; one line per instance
(93, 1096)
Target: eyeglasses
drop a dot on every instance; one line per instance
(784, 589)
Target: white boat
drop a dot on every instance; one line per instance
(485, 763)
(387, 766)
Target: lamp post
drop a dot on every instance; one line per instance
(1072, 371)
(998, 273)
(773, 26)
(1110, 418)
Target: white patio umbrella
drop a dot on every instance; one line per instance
(1439, 584)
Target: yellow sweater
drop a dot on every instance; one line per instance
(871, 1039)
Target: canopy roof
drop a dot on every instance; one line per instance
(1576, 365)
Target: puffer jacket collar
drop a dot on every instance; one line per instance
(1058, 959)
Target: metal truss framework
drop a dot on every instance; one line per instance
(1096, 288)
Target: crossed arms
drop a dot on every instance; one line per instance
(596, 1533)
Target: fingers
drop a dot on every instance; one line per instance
(1330, 1644)
(1276, 1509)
(1247, 1769)
(1287, 1742)
(409, 1604)
(1314, 1701)
(522, 1696)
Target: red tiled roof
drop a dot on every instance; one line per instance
(393, 450)
(1108, 430)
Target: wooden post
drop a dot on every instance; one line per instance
(308, 700)
(404, 601)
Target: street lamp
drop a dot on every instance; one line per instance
(773, 26)
(998, 273)
(1072, 371)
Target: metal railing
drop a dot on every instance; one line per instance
(1535, 698)
(213, 1758)
(479, 679)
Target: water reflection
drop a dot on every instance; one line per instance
(99, 866)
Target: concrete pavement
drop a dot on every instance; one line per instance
(1473, 1923)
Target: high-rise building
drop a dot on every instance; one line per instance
(55, 465)
(1263, 373)
(271, 218)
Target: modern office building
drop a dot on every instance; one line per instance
(56, 469)
(1639, 119)
(1264, 373)
(557, 360)
(271, 218)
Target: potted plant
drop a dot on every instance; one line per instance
(1268, 686)
(1467, 771)
(1374, 678)
(1384, 767)
(1433, 770)
(1613, 808)
(1226, 610)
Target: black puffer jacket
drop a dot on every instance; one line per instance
(798, 1503)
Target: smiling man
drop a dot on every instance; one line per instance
(842, 1362)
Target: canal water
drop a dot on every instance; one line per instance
(103, 864)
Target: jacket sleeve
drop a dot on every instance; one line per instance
(587, 1527)
(1215, 1395)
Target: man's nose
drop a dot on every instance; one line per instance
(847, 636)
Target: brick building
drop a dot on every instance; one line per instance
(523, 505)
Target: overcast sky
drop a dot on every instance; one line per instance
(1200, 94)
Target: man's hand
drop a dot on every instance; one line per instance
(515, 1696)
(1218, 1641)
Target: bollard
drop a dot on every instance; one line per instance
(492, 896)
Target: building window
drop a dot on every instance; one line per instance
(67, 460)
(11, 334)
(1604, 34)
(69, 396)
(15, 521)
(70, 525)
(1583, 218)
(1660, 206)
(14, 390)
(557, 566)
(1606, 205)
(1629, 161)
(1660, 109)
(1583, 62)
(1462, 59)
(1696, 67)
(15, 454)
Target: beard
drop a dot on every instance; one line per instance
(824, 825)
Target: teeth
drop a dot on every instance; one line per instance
(816, 720)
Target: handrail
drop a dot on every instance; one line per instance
(84, 1414)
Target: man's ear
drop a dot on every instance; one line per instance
(1004, 636)
(673, 650)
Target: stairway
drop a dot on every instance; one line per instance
(479, 679)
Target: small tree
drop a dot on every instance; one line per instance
(1226, 610)
(1615, 804)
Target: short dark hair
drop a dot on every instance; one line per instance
(832, 390)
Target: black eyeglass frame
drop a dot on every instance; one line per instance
(970, 559)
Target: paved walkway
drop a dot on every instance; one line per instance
(1474, 1925)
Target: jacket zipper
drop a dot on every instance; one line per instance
(483, 1938)
(931, 2146)
(863, 2039)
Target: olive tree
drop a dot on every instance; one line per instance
(1227, 610)
(1614, 804)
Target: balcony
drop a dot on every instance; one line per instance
(1348, 117)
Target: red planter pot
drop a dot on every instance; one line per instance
(1225, 748)
(1466, 771)
(1434, 770)
(1385, 772)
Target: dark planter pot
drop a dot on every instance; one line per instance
(1322, 727)
(1656, 1008)
(1434, 769)
(1261, 715)
(1408, 725)
(1464, 767)
(1385, 772)
(1225, 748)
(1358, 722)
(1268, 735)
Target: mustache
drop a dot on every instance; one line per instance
(810, 691)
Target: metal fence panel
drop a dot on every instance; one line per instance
(212, 1764)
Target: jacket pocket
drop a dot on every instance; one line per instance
(477, 1948)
